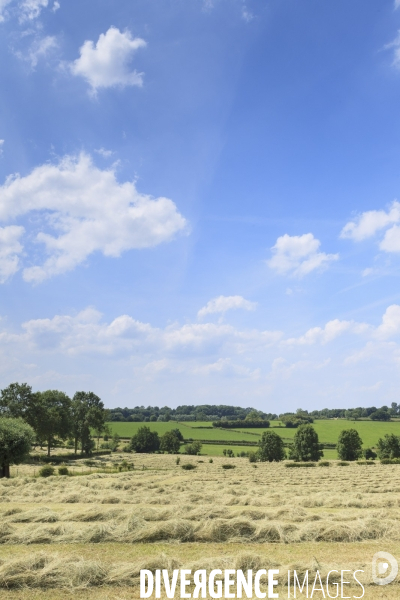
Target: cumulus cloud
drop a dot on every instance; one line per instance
(107, 64)
(298, 255)
(83, 209)
(224, 303)
(10, 248)
(326, 334)
(390, 323)
(368, 223)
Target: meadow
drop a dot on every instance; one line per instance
(88, 536)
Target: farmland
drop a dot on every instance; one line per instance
(328, 432)
(90, 535)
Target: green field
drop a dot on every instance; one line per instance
(328, 430)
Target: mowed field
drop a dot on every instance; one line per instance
(87, 537)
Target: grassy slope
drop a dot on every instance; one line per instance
(328, 430)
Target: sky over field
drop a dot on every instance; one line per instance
(200, 200)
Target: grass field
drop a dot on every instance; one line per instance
(87, 537)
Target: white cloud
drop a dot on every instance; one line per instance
(3, 4)
(31, 9)
(90, 210)
(1, 147)
(224, 303)
(10, 248)
(369, 223)
(107, 64)
(332, 330)
(56, 6)
(40, 48)
(298, 255)
(104, 153)
(390, 323)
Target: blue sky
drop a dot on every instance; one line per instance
(198, 200)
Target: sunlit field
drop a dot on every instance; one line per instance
(89, 535)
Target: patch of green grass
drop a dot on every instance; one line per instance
(189, 430)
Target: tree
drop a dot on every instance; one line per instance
(193, 448)
(306, 446)
(52, 416)
(349, 445)
(271, 447)
(178, 434)
(389, 446)
(87, 413)
(145, 440)
(16, 438)
(382, 414)
(16, 400)
(170, 443)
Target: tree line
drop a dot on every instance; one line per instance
(53, 416)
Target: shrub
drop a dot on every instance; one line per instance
(193, 448)
(324, 463)
(389, 446)
(178, 460)
(380, 415)
(252, 457)
(62, 470)
(211, 460)
(271, 447)
(126, 448)
(349, 446)
(228, 466)
(342, 463)
(188, 466)
(390, 461)
(306, 446)
(46, 471)
(299, 464)
(365, 462)
(369, 454)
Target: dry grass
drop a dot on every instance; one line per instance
(238, 513)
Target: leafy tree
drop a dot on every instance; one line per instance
(145, 440)
(52, 416)
(178, 434)
(369, 454)
(87, 413)
(389, 446)
(349, 445)
(16, 400)
(170, 442)
(193, 448)
(16, 438)
(306, 446)
(271, 447)
(382, 414)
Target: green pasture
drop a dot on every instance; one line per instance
(195, 430)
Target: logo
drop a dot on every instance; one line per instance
(381, 562)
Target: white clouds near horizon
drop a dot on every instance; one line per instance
(221, 304)
(298, 255)
(84, 209)
(10, 249)
(107, 64)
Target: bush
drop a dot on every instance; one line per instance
(252, 457)
(380, 415)
(178, 460)
(271, 447)
(389, 446)
(170, 442)
(369, 454)
(194, 448)
(349, 446)
(126, 448)
(365, 462)
(390, 461)
(342, 463)
(188, 466)
(228, 466)
(306, 446)
(61, 470)
(299, 464)
(250, 424)
(211, 460)
(324, 463)
(46, 471)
